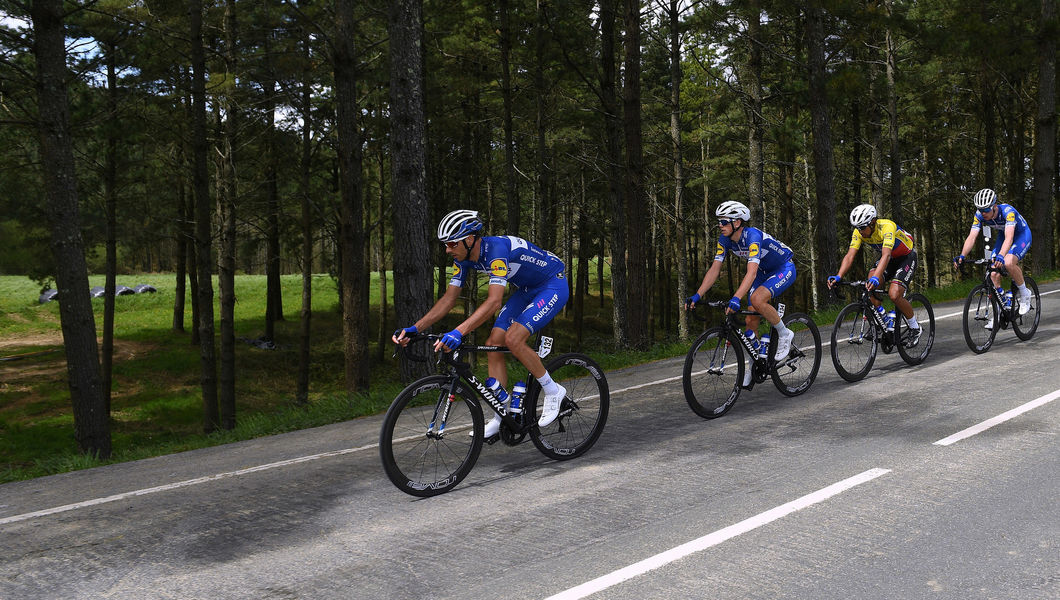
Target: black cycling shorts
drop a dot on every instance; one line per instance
(899, 269)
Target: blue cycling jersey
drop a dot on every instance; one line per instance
(1007, 216)
(756, 246)
(509, 259)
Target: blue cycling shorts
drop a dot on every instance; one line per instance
(535, 308)
(1020, 245)
(776, 282)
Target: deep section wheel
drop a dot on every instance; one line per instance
(713, 371)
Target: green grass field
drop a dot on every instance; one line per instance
(156, 401)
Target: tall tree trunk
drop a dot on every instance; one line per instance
(1045, 140)
(273, 288)
(823, 161)
(545, 225)
(408, 139)
(384, 306)
(110, 175)
(351, 229)
(203, 228)
(678, 158)
(636, 206)
(91, 421)
(615, 193)
(180, 286)
(510, 191)
(892, 119)
(753, 90)
(226, 201)
(302, 393)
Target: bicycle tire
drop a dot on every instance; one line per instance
(854, 342)
(426, 465)
(797, 372)
(979, 307)
(709, 389)
(582, 414)
(1020, 325)
(925, 317)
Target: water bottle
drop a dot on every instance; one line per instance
(497, 389)
(889, 321)
(751, 336)
(763, 347)
(517, 397)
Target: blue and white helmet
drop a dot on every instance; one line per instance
(733, 210)
(985, 199)
(458, 224)
(862, 215)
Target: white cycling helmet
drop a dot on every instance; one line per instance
(862, 215)
(985, 199)
(733, 210)
(458, 224)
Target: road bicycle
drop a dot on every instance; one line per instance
(859, 331)
(713, 374)
(984, 316)
(433, 432)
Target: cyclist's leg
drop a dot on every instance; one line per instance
(771, 286)
(544, 304)
(872, 297)
(512, 310)
(900, 273)
(1015, 255)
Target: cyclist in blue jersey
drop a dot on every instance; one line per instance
(770, 270)
(1008, 250)
(539, 293)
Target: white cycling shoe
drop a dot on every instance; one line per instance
(550, 409)
(1025, 304)
(784, 345)
(492, 428)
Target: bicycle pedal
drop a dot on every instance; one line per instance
(493, 439)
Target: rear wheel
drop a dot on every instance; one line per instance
(424, 442)
(854, 342)
(582, 414)
(981, 319)
(1026, 325)
(795, 373)
(712, 374)
(914, 345)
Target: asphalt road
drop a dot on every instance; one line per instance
(840, 493)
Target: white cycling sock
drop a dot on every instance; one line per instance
(547, 385)
(912, 322)
(781, 327)
(1023, 289)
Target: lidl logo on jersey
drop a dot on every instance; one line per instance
(719, 251)
(499, 268)
(1011, 218)
(752, 251)
(456, 270)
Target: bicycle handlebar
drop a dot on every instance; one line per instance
(983, 261)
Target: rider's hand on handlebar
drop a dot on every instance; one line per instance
(450, 341)
(690, 303)
(401, 336)
(872, 283)
(734, 305)
(999, 261)
(958, 261)
(833, 280)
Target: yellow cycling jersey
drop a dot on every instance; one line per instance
(886, 234)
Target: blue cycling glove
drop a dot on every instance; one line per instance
(734, 304)
(408, 331)
(957, 260)
(834, 279)
(999, 261)
(875, 281)
(694, 298)
(452, 339)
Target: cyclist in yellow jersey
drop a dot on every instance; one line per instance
(896, 264)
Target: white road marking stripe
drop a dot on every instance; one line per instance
(713, 539)
(1005, 416)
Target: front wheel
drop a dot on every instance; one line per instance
(582, 414)
(713, 373)
(795, 373)
(981, 319)
(855, 339)
(914, 343)
(425, 443)
(1027, 324)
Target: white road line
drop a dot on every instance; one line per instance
(713, 539)
(1005, 416)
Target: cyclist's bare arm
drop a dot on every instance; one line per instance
(710, 277)
(748, 279)
(847, 261)
(439, 310)
(969, 242)
(881, 267)
(1010, 234)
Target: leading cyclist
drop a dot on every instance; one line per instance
(770, 271)
(896, 263)
(1008, 251)
(540, 293)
